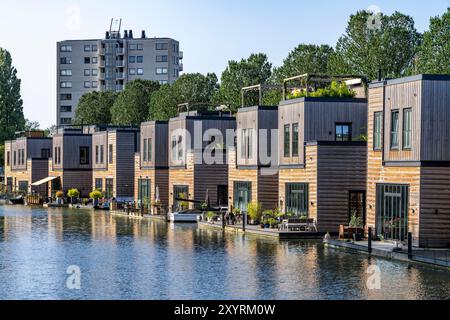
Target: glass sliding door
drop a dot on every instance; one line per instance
(179, 193)
(109, 188)
(357, 205)
(392, 211)
(242, 195)
(297, 199)
(144, 193)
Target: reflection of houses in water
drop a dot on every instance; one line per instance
(103, 226)
(55, 223)
(17, 226)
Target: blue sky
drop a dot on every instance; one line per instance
(211, 32)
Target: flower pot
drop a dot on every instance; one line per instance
(357, 237)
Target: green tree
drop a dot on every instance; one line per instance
(11, 104)
(305, 58)
(163, 104)
(193, 88)
(131, 106)
(256, 69)
(95, 108)
(376, 41)
(434, 54)
(31, 125)
(2, 155)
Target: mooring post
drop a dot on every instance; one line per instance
(410, 245)
(223, 220)
(369, 242)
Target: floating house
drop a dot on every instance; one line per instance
(113, 151)
(408, 187)
(151, 177)
(26, 162)
(323, 155)
(197, 158)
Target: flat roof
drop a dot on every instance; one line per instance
(419, 77)
(255, 108)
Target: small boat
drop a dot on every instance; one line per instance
(190, 216)
(17, 200)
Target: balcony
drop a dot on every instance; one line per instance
(120, 51)
(120, 64)
(180, 55)
(181, 67)
(120, 75)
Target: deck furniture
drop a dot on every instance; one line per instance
(347, 232)
(296, 224)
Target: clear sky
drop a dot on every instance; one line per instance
(211, 32)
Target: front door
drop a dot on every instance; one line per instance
(222, 196)
(179, 193)
(392, 211)
(242, 195)
(357, 205)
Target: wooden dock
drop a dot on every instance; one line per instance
(270, 233)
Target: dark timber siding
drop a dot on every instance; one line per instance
(125, 149)
(340, 169)
(434, 220)
(435, 121)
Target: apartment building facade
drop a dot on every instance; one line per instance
(109, 64)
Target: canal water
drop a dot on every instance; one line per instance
(121, 258)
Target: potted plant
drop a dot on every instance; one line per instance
(184, 205)
(59, 197)
(254, 210)
(73, 193)
(95, 196)
(156, 204)
(272, 223)
(210, 215)
(356, 223)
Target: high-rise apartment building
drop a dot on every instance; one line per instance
(108, 64)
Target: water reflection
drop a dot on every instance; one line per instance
(123, 258)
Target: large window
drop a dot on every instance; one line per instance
(84, 155)
(111, 152)
(177, 148)
(66, 109)
(145, 159)
(144, 193)
(162, 46)
(23, 186)
(407, 126)
(102, 154)
(377, 129)
(45, 153)
(149, 150)
(66, 96)
(162, 71)
(97, 155)
(297, 199)
(343, 132)
(163, 58)
(66, 48)
(242, 195)
(247, 143)
(180, 193)
(66, 72)
(66, 60)
(8, 160)
(109, 188)
(394, 129)
(287, 140)
(99, 184)
(57, 155)
(295, 138)
(392, 204)
(66, 84)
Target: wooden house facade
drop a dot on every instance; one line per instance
(253, 163)
(71, 162)
(26, 162)
(408, 187)
(199, 171)
(113, 151)
(151, 177)
(322, 166)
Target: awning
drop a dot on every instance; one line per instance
(41, 182)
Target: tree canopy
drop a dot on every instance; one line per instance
(305, 58)
(372, 42)
(193, 88)
(11, 104)
(434, 54)
(95, 108)
(254, 70)
(131, 106)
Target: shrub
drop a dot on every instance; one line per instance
(210, 214)
(96, 194)
(254, 210)
(336, 89)
(60, 194)
(73, 193)
(356, 222)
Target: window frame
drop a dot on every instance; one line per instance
(287, 140)
(86, 162)
(409, 132)
(397, 132)
(349, 134)
(377, 115)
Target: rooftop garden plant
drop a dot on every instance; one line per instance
(334, 90)
(96, 194)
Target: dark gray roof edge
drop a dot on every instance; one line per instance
(149, 123)
(255, 108)
(324, 99)
(419, 77)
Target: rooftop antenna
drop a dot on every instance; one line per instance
(114, 29)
